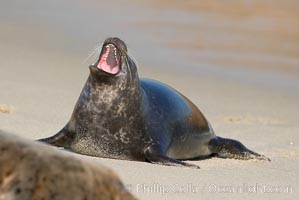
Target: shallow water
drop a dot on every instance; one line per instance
(249, 41)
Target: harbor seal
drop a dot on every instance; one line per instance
(121, 116)
(35, 171)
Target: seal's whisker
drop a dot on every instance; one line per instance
(133, 58)
(129, 69)
(90, 55)
(96, 51)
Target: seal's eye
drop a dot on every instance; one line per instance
(109, 59)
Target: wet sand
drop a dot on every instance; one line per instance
(237, 62)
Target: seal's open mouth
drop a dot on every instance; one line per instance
(109, 59)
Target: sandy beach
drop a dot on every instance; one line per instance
(240, 68)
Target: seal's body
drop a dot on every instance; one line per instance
(119, 116)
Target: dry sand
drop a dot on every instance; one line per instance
(41, 75)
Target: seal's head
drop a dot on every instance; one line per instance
(113, 61)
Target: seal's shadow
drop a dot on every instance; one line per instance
(205, 157)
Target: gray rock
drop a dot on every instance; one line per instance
(33, 171)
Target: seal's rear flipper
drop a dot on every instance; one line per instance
(228, 148)
(61, 139)
(155, 156)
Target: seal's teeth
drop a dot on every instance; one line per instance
(107, 56)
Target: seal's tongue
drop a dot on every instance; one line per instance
(109, 60)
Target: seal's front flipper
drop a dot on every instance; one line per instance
(62, 139)
(154, 155)
(228, 148)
